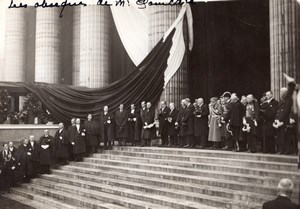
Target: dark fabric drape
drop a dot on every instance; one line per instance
(144, 83)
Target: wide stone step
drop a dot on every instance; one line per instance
(29, 202)
(211, 160)
(212, 153)
(169, 188)
(195, 168)
(38, 199)
(187, 181)
(90, 189)
(74, 197)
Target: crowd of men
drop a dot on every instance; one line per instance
(227, 123)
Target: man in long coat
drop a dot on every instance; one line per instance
(77, 139)
(171, 120)
(188, 124)
(62, 140)
(22, 160)
(47, 152)
(70, 130)
(121, 118)
(7, 167)
(133, 125)
(107, 128)
(149, 125)
(235, 119)
(34, 156)
(283, 115)
(178, 123)
(142, 119)
(269, 110)
(163, 113)
(92, 128)
(201, 123)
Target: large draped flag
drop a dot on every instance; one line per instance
(146, 82)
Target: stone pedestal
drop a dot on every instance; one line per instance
(48, 40)
(284, 42)
(161, 18)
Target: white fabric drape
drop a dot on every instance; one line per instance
(136, 41)
(132, 25)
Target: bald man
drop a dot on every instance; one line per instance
(283, 200)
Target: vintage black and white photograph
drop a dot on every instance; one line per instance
(149, 104)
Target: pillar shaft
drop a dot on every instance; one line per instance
(48, 36)
(161, 18)
(94, 46)
(15, 44)
(284, 42)
(76, 47)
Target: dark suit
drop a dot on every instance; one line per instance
(22, 163)
(234, 117)
(33, 159)
(180, 126)
(47, 155)
(107, 129)
(280, 202)
(92, 128)
(133, 126)
(149, 133)
(62, 139)
(78, 137)
(268, 111)
(6, 166)
(121, 119)
(163, 124)
(283, 115)
(201, 124)
(172, 131)
(188, 125)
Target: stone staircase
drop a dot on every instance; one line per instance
(152, 177)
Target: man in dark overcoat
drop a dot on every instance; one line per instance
(7, 167)
(62, 140)
(142, 119)
(283, 115)
(47, 152)
(188, 124)
(178, 124)
(171, 120)
(70, 130)
(23, 157)
(163, 113)
(107, 127)
(201, 113)
(235, 119)
(268, 111)
(133, 125)
(92, 128)
(121, 119)
(149, 125)
(34, 157)
(77, 139)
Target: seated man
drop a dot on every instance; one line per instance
(283, 201)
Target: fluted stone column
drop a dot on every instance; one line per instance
(48, 37)
(161, 18)
(15, 44)
(76, 46)
(94, 47)
(284, 42)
